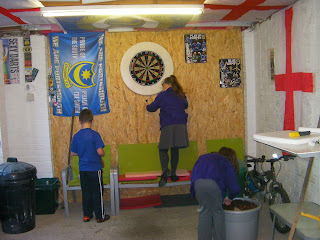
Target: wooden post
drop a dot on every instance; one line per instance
(303, 193)
(70, 140)
(302, 196)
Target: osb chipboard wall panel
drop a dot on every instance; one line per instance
(214, 112)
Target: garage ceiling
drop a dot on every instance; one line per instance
(27, 15)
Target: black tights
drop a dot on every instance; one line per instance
(164, 159)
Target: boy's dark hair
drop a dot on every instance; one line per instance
(232, 156)
(86, 116)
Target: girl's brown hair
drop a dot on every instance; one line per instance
(232, 156)
(176, 87)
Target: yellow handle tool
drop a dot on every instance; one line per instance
(298, 134)
(311, 216)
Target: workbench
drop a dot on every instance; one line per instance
(304, 147)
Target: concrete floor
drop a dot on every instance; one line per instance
(149, 223)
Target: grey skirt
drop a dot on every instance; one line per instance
(174, 135)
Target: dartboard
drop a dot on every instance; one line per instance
(144, 66)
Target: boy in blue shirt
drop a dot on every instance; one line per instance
(88, 145)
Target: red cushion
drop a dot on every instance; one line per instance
(140, 202)
(128, 179)
(181, 179)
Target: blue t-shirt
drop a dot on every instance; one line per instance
(85, 143)
(218, 168)
(171, 108)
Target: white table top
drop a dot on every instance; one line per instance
(298, 146)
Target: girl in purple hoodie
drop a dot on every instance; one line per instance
(172, 102)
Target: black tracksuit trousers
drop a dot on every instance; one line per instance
(92, 193)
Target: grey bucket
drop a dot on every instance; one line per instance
(243, 225)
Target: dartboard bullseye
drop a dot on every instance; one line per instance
(144, 66)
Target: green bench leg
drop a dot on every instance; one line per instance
(65, 192)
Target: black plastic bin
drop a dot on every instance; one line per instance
(17, 196)
(47, 195)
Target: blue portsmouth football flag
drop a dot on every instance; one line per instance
(79, 77)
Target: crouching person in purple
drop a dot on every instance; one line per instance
(212, 175)
(88, 145)
(172, 102)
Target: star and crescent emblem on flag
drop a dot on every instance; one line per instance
(80, 74)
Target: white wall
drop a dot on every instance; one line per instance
(249, 91)
(2, 108)
(270, 103)
(1, 153)
(25, 125)
(1, 100)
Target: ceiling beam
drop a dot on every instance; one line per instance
(8, 14)
(120, 2)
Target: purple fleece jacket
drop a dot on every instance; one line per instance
(218, 168)
(171, 108)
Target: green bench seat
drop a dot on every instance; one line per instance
(145, 157)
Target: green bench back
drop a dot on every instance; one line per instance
(106, 169)
(188, 156)
(234, 143)
(237, 145)
(145, 157)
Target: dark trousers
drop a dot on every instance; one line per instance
(164, 159)
(92, 193)
(211, 216)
